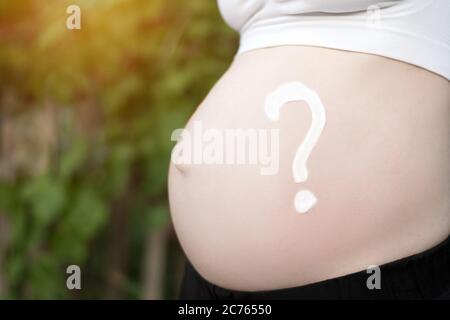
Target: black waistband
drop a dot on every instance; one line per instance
(425, 275)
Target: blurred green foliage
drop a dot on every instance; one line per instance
(137, 69)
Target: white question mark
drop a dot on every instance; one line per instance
(296, 91)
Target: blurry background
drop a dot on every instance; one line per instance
(85, 123)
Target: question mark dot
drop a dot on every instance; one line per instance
(304, 201)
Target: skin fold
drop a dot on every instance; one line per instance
(380, 170)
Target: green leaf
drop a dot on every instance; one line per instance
(46, 196)
(158, 216)
(47, 278)
(73, 159)
(86, 216)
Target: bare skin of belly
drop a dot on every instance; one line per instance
(381, 171)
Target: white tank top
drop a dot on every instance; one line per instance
(413, 31)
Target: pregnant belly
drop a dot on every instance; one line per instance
(380, 170)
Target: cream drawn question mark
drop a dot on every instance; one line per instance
(296, 91)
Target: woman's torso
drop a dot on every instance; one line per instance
(380, 171)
